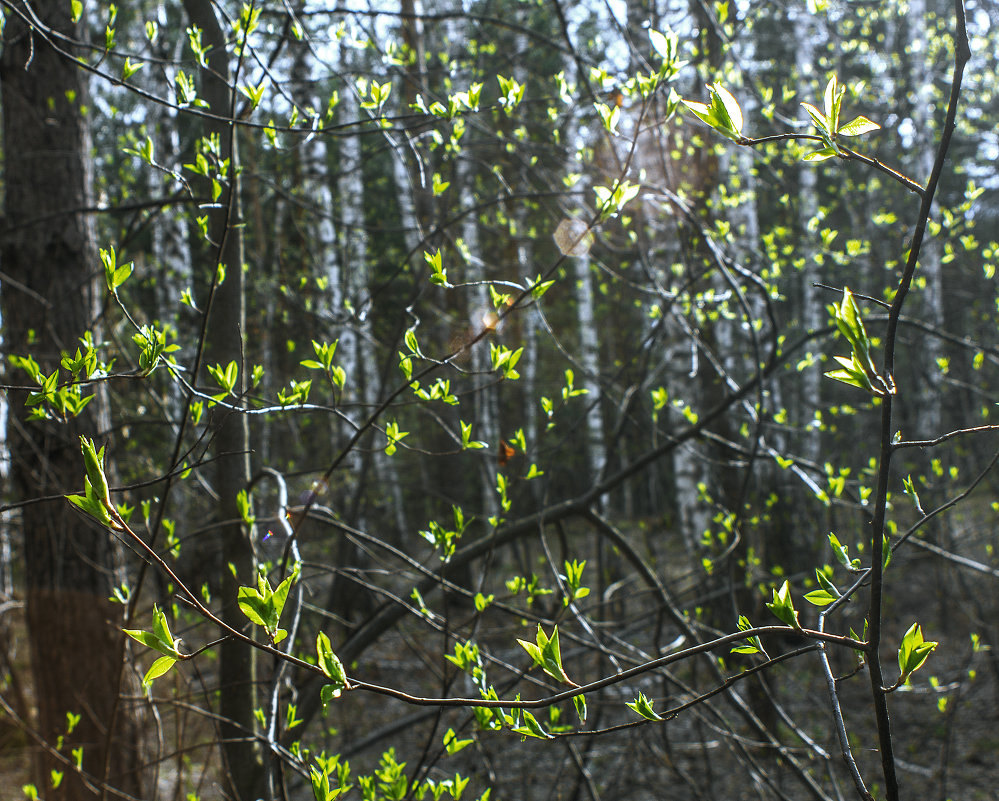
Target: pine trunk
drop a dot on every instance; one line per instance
(50, 298)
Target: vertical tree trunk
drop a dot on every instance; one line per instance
(588, 353)
(589, 360)
(930, 258)
(357, 340)
(812, 309)
(237, 698)
(50, 299)
(486, 400)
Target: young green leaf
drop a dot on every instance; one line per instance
(157, 669)
(531, 728)
(93, 460)
(783, 606)
(723, 113)
(254, 606)
(160, 639)
(161, 627)
(858, 126)
(913, 651)
(833, 99)
(643, 706)
(546, 655)
(665, 44)
(452, 744)
(281, 593)
(753, 644)
(820, 155)
(842, 553)
(820, 597)
(149, 640)
(330, 665)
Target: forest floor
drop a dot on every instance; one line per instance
(945, 725)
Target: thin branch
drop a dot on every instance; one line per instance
(962, 53)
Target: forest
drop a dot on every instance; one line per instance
(499, 399)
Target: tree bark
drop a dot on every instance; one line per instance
(226, 307)
(929, 420)
(50, 298)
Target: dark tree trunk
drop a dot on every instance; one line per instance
(237, 698)
(49, 299)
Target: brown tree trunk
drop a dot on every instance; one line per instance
(237, 697)
(49, 299)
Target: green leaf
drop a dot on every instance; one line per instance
(254, 606)
(825, 583)
(320, 784)
(913, 651)
(643, 706)
(533, 651)
(161, 628)
(858, 126)
(753, 644)
(281, 593)
(147, 639)
(859, 370)
(722, 99)
(245, 510)
(327, 694)
(91, 506)
(539, 287)
(609, 116)
(93, 460)
(783, 606)
(160, 639)
(832, 100)
(665, 44)
(114, 274)
(610, 201)
(818, 118)
(723, 114)
(330, 665)
(842, 553)
(531, 727)
(452, 744)
(546, 654)
(411, 343)
(820, 597)
(157, 669)
(129, 69)
(254, 93)
(819, 155)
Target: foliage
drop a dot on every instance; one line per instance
(505, 302)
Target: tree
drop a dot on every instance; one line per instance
(222, 340)
(87, 734)
(636, 240)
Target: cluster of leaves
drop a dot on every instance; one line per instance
(436, 396)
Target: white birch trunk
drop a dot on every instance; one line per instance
(486, 401)
(588, 355)
(930, 258)
(589, 361)
(812, 308)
